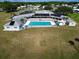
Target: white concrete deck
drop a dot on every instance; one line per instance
(40, 19)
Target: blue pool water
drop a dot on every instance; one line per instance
(34, 23)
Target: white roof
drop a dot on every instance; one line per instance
(76, 9)
(44, 11)
(15, 24)
(22, 16)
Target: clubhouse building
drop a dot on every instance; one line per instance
(43, 18)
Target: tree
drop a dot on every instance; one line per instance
(48, 7)
(9, 6)
(64, 10)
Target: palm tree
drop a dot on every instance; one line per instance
(22, 20)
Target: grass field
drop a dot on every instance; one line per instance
(39, 43)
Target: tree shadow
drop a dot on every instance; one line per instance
(73, 44)
(76, 39)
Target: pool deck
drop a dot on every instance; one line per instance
(30, 26)
(40, 19)
(51, 20)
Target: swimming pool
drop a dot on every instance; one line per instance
(30, 24)
(39, 24)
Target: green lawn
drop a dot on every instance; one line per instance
(75, 16)
(39, 43)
